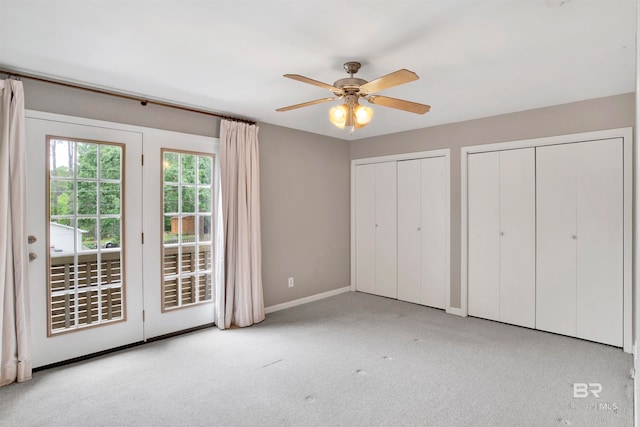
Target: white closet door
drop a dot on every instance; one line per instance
(434, 234)
(483, 235)
(409, 234)
(556, 239)
(365, 228)
(386, 230)
(599, 241)
(517, 237)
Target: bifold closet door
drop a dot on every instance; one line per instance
(580, 243)
(600, 241)
(422, 231)
(483, 213)
(435, 232)
(365, 228)
(556, 239)
(501, 236)
(518, 237)
(409, 232)
(386, 230)
(376, 229)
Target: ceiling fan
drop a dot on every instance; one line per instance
(351, 89)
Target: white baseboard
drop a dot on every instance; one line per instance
(305, 300)
(456, 311)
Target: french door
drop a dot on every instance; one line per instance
(123, 251)
(84, 208)
(178, 232)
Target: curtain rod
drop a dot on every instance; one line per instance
(142, 101)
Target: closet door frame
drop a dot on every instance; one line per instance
(446, 153)
(626, 134)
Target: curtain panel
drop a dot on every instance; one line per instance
(239, 298)
(15, 350)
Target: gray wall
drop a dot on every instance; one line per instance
(584, 116)
(76, 102)
(304, 183)
(305, 177)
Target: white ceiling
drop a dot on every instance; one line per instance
(475, 58)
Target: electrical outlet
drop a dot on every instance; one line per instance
(291, 282)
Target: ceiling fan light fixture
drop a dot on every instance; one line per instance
(338, 115)
(346, 115)
(363, 115)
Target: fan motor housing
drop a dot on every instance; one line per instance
(349, 84)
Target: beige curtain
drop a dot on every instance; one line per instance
(15, 350)
(239, 299)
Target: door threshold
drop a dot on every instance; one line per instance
(122, 347)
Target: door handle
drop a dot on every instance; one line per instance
(32, 256)
(32, 239)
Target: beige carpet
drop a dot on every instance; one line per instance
(349, 360)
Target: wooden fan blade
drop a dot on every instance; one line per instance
(305, 104)
(394, 79)
(399, 104)
(304, 79)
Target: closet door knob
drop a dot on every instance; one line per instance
(574, 237)
(418, 228)
(502, 233)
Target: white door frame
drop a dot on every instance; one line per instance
(446, 153)
(626, 134)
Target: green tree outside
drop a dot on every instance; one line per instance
(62, 196)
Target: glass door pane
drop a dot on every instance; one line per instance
(186, 228)
(86, 197)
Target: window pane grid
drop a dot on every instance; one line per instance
(85, 275)
(186, 226)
